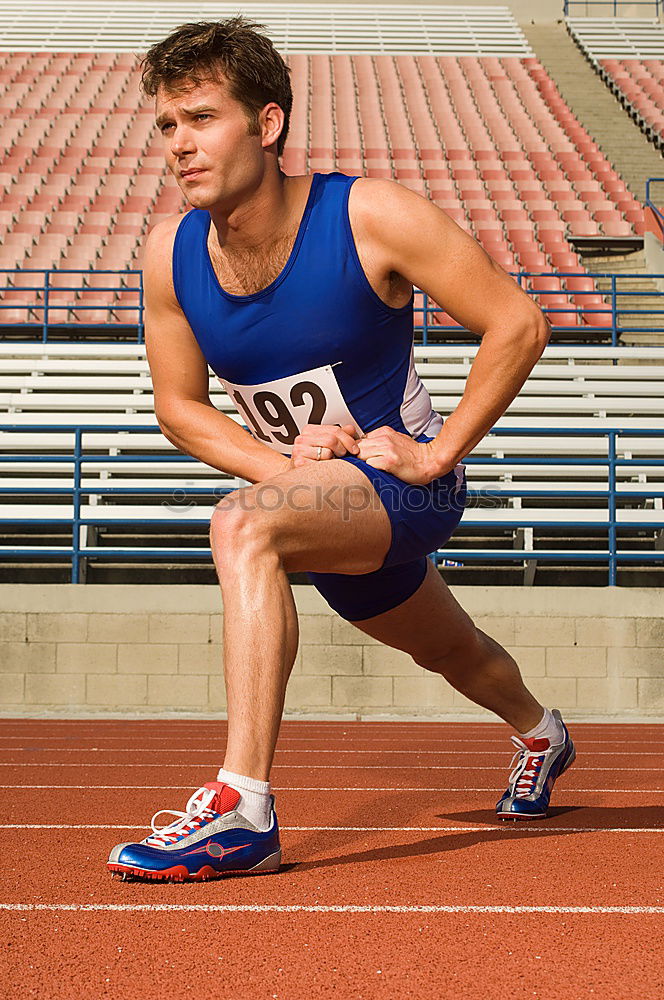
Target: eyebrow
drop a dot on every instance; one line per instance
(191, 112)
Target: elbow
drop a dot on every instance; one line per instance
(537, 329)
(165, 425)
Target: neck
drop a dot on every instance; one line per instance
(260, 216)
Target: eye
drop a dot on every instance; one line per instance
(202, 115)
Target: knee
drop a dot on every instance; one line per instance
(237, 528)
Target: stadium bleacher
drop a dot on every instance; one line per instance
(629, 56)
(134, 483)
(511, 164)
(459, 109)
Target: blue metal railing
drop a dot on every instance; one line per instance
(47, 311)
(614, 5)
(49, 314)
(649, 200)
(610, 317)
(612, 555)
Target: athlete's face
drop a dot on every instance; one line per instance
(207, 144)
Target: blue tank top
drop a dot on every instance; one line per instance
(318, 345)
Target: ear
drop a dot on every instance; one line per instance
(271, 120)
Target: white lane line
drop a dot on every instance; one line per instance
(505, 827)
(332, 767)
(315, 908)
(345, 724)
(639, 736)
(582, 741)
(490, 731)
(357, 737)
(353, 730)
(448, 743)
(221, 749)
(345, 788)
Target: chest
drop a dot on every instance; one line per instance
(249, 271)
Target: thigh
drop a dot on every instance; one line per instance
(423, 517)
(324, 517)
(425, 625)
(356, 598)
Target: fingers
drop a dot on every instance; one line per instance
(347, 443)
(305, 454)
(338, 441)
(385, 432)
(352, 430)
(369, 448)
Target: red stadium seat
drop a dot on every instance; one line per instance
(598, 319)
(545, 283)
(564, 260)
(580, 283)
(559, 311)
(531, 260)
(489, 139)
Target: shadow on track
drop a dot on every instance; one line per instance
(584, 819)
(593, 817)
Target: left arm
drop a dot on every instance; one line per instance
(411, 236)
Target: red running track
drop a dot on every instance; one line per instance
(397, 881)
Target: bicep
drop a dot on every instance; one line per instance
(436, 255)
(178, 368)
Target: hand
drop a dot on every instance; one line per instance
(412, 461)
(334, 441)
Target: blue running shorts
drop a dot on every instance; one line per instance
(422, 519)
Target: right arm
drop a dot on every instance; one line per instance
(183, 408)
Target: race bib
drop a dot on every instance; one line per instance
(276, 412)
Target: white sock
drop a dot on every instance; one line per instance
(254, 803)
(548, 727)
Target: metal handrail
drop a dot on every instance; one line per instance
(45, 286)
(649, 202)
(424, 306)
(610, 309)
(77, 491)
(656, 4)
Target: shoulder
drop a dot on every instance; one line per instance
(161, 237)
(378, 205)
(373, 193)
(394, 223)
(158, 259)
(158, 250)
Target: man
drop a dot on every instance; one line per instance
(297, 291)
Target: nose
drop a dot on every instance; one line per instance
(182, 140)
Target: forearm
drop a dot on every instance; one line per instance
(501, 366)
(203, 431)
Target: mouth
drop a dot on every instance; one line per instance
(189, 175)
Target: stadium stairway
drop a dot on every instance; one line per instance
(647, 299)
(620, 139)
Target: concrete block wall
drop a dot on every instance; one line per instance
(592, 652)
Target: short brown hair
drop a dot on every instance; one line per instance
(235, 48)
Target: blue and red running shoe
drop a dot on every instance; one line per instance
(538, 765)
(211, 839)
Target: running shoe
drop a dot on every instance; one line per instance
(538, 765)
(211, 839)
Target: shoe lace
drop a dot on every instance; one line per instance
(524, 775)
(195, 815)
